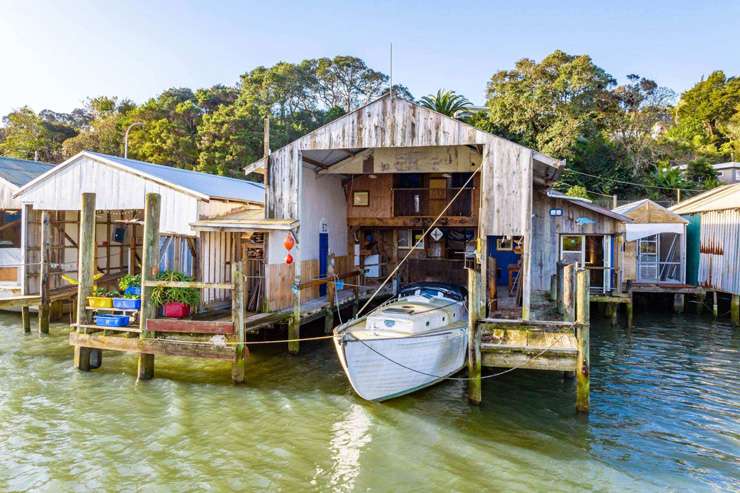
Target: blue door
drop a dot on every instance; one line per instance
(323, 259)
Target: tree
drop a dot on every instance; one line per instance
(27, 135)
(643, 109)
(446, 102)
(551, 104)
(705, 115)
(105, 130)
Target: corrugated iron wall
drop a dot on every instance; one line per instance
(719, 266)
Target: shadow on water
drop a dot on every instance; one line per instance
(664, 416)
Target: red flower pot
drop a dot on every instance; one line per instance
(176, 310)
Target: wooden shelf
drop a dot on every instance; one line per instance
(99, 309)
(130, 328)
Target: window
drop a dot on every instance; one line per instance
(572, 248)
(360, 198)
(458, 180)
(407, 238)
(504, 244)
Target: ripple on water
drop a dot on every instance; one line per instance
(664, 416)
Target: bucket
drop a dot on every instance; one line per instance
(176, 310)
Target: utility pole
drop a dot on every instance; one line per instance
(125, 138)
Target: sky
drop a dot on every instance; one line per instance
(57, 53)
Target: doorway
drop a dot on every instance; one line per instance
(594, 252)
(659, 258)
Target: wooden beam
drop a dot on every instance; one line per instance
(149, 271)
(43, 316)
(171, 325)
(474, 357)
(86, 268)
(569, 292)
(583, 370)
(238, 315)
(187, 284)
(412, 222)
(151, 346)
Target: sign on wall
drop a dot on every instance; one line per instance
(556, 211)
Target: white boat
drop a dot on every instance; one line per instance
(406, 344)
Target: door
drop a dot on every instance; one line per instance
(437, 195)
(647, 259)
(323, 260)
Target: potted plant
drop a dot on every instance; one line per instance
(101, 298)
(175, 302)
(130, 286)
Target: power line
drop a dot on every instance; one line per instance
(635, 184)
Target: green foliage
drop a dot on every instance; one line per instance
(129, 280)
(702, 174)
(577, 191)
(446, 102)
(27, 134)
(100, 291)
(162, 295)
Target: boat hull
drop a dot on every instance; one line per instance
(381, 369)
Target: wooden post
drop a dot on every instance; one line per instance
(26, 319)
(678, 303)
(132, 250)
(86, 271)
(356, 295)
(715, 305)
(149, 271)
(735, 310)
(44, 302)
(330, 297)
(583, 369)
(474, 358)
(569, 295)
(294, 324)
(700, 299)
(559, 297)
(630, 306)
(554, 288)
(238, 367)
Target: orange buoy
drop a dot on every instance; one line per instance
(289, 259)
(289, 242)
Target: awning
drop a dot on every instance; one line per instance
(236, 225)
(637, 231)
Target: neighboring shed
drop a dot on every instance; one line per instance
(655, 249)
(715, 218)
(120, 186)
(14, 173)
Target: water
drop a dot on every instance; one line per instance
(665, 416)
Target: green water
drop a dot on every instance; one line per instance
(665, 416)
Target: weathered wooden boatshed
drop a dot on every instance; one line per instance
(14, 173)
(51, 218)
(713, 241)
(395, 183)
(655, 248)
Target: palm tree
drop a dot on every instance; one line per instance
(446, 102)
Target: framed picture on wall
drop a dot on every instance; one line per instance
(360, 198)
(504, 244)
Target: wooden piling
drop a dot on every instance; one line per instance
(715, 305)
(583, 369)
(735, 310)
(85, 273)
(700, 299)
(678, 303)
(554, 287)
(238, 367)
(331, 287)
(44, 301)
(294, 324)
(149, 271)
(630, 307)
(559, 297)
(474, 358)
(569, 287)
(26, 319)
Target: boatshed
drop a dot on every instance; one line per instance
(655, 248)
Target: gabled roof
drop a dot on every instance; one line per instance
(642, 210)
(18, 172)
(202, 185)
(587, 204)
(723, 197)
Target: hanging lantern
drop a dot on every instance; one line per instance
(289, 242)
(289, 259)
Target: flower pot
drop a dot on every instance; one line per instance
(176, 310)
(127, 303)
(112, 320)
(100, 302)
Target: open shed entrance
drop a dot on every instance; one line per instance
(659, 258)
(595, 253)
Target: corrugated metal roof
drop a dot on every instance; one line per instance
(720, 198)
(214, 186)
(21, 171)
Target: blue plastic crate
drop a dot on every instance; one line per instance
(133, 291)
(127, 303)
(112, 320)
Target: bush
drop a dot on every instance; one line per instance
(162, 295)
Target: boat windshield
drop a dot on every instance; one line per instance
(430, 293)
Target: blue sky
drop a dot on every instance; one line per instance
(54, 54)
